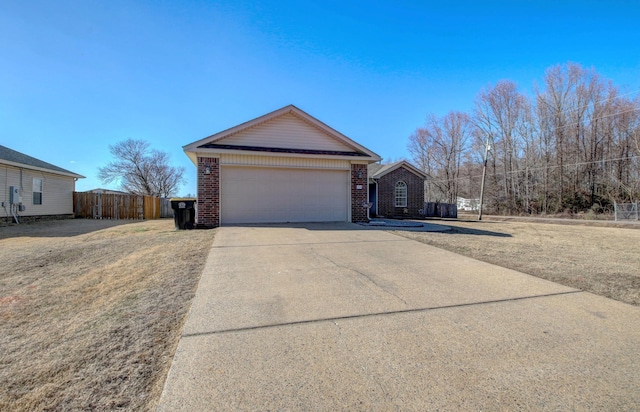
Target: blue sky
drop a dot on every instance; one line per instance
(77, 76)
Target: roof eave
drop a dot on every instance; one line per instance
(193, 155)
(398, 165)
(41, 169)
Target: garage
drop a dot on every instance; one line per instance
(275, 195)
(284, 166)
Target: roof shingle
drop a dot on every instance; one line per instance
(13, 156)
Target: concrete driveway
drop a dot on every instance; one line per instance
(341, 317)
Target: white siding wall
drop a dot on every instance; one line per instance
(287, 131)
(57, 191)
(9, 176)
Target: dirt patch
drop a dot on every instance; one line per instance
(601, 260)
(92, 311)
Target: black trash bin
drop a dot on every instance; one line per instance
(184, 212)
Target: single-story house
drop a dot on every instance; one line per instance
(396, 189)
(32, 188)
(284, 166)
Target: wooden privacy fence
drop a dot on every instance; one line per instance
(117, 206)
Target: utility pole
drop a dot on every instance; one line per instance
(484, 174)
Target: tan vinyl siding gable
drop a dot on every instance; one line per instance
(287, 131)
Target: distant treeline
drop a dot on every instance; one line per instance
(573, 146)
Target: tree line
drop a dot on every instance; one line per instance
(573, 146)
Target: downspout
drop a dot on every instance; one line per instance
(6, 185)
(368, 197)
(377, 198)
(17, 205)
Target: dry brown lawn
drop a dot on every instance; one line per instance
(92, 311)
(601, 260)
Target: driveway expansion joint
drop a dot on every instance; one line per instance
(369, 315)
(311, 243)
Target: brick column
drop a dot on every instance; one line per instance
(208, 192)
(359, 181)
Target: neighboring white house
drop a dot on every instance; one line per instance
(30, 187)
(468, 204)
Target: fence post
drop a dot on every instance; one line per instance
(98, 206)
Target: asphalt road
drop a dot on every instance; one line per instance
(341, 317)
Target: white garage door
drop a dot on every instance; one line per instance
(263, 195)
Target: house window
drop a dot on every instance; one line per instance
(37, 191)
(401, 194)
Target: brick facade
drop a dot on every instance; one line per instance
(359, 197)
(208, 215)
(387, 194)
(208, 193)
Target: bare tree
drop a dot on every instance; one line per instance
(623, 173)
(589, 125)
(438, 149)
(500, 114)
(141, 170)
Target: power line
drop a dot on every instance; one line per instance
(526, 170)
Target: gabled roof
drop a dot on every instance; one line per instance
(377, 170)
(15, 158)
(223, 142)
(373, 168)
